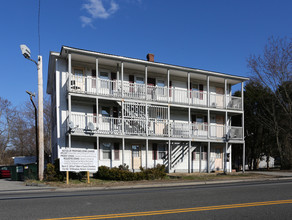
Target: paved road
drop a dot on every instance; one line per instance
(250, 200)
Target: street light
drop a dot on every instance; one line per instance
(36, 125)
(26, 53)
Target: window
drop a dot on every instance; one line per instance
(161, 152)
(105, 113)
(204, 153)
(78, 75)
(117, 151)
(160, 85)
(106, 151)
(104, 76)
(139, 80)
(93, 81)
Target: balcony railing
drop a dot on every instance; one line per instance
(113, 88)
(83, 123)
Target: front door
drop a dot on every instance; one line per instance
(219, 97)
(218, 158)
(78, 81)
(220, 125)
(136, 157)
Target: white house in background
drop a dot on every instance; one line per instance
(143, 113)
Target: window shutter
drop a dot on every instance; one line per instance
(194, 118)
(93, 73)
(205, 119)
(154, 151)
(170, 86)
(117, 151)
(194, 155)
(93, 81)
(201, 89)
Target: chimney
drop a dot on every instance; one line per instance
(150, 57)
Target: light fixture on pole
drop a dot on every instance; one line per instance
(36, 125)
(26, 53)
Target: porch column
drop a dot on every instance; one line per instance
(200, 159)
(189, 159)
(230, 157)
(225, 92)
(96, 75)
(226, 127)
(190, 128)
(69, 71)
(209, 127)
(123, 123)
(123, 151)
(97, 148)
(208, 91)
(122, 77)
(242, 104)
(169, 156)
(189, 89)
(168, 89)
(225, 158)
(146, 81)
(146, 156)
(209, 167)
(97, 113)
(168, 118)
(69, 119)
(146, 112)
(243, 158)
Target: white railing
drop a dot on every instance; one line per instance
(234, 133)
(157, 127)
(199, 130)
(157, 93)
(179, 129)
(135, 126)
(178, 96)
(109, 125)
(234, 103)
(108, 87)
(198, 98)
(134, 90)
(217, 100)
(217, 131)
(83, 123)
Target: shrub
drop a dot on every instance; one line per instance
(122, 173)
(50, 173)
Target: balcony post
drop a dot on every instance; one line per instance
(122, 77)
(123, 151)
(146, 113)
(168, 119)
(209, 127)
(209, 165)
(225, 158)
(97, 113)
(189, 158)
(69, 119)
(208, 91)
(146, 156)
(123, 120)
(230, 157)
(243, 157)
(97, 148)
(168, 89)
(226, 127)
(190, 128)
(96, 75)
(169, 156)
(200, 159)
(189, 89)
(69, 71)
(225, 92)
(146, 81)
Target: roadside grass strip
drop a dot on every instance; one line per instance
(175, 211)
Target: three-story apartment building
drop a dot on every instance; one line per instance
(143, 113)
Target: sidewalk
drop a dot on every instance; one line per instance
(17, 186)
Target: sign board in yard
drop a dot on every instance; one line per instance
(78, 160)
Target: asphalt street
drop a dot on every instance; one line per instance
(247, 200)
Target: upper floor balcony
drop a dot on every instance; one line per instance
(151, 127)
(157, 93)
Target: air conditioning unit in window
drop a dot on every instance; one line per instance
(213, 104)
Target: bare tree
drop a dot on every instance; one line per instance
(273, 70)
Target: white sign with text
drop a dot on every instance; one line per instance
(78, 160)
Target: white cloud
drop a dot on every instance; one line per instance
(98, 9)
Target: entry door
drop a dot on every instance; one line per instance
(78, 81)
(220, 127)
(218, 158)
(219, 97)
(136, 157)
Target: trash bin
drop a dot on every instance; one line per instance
(16, 172)
(30, 171)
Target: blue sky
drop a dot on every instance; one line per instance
(217, 35)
